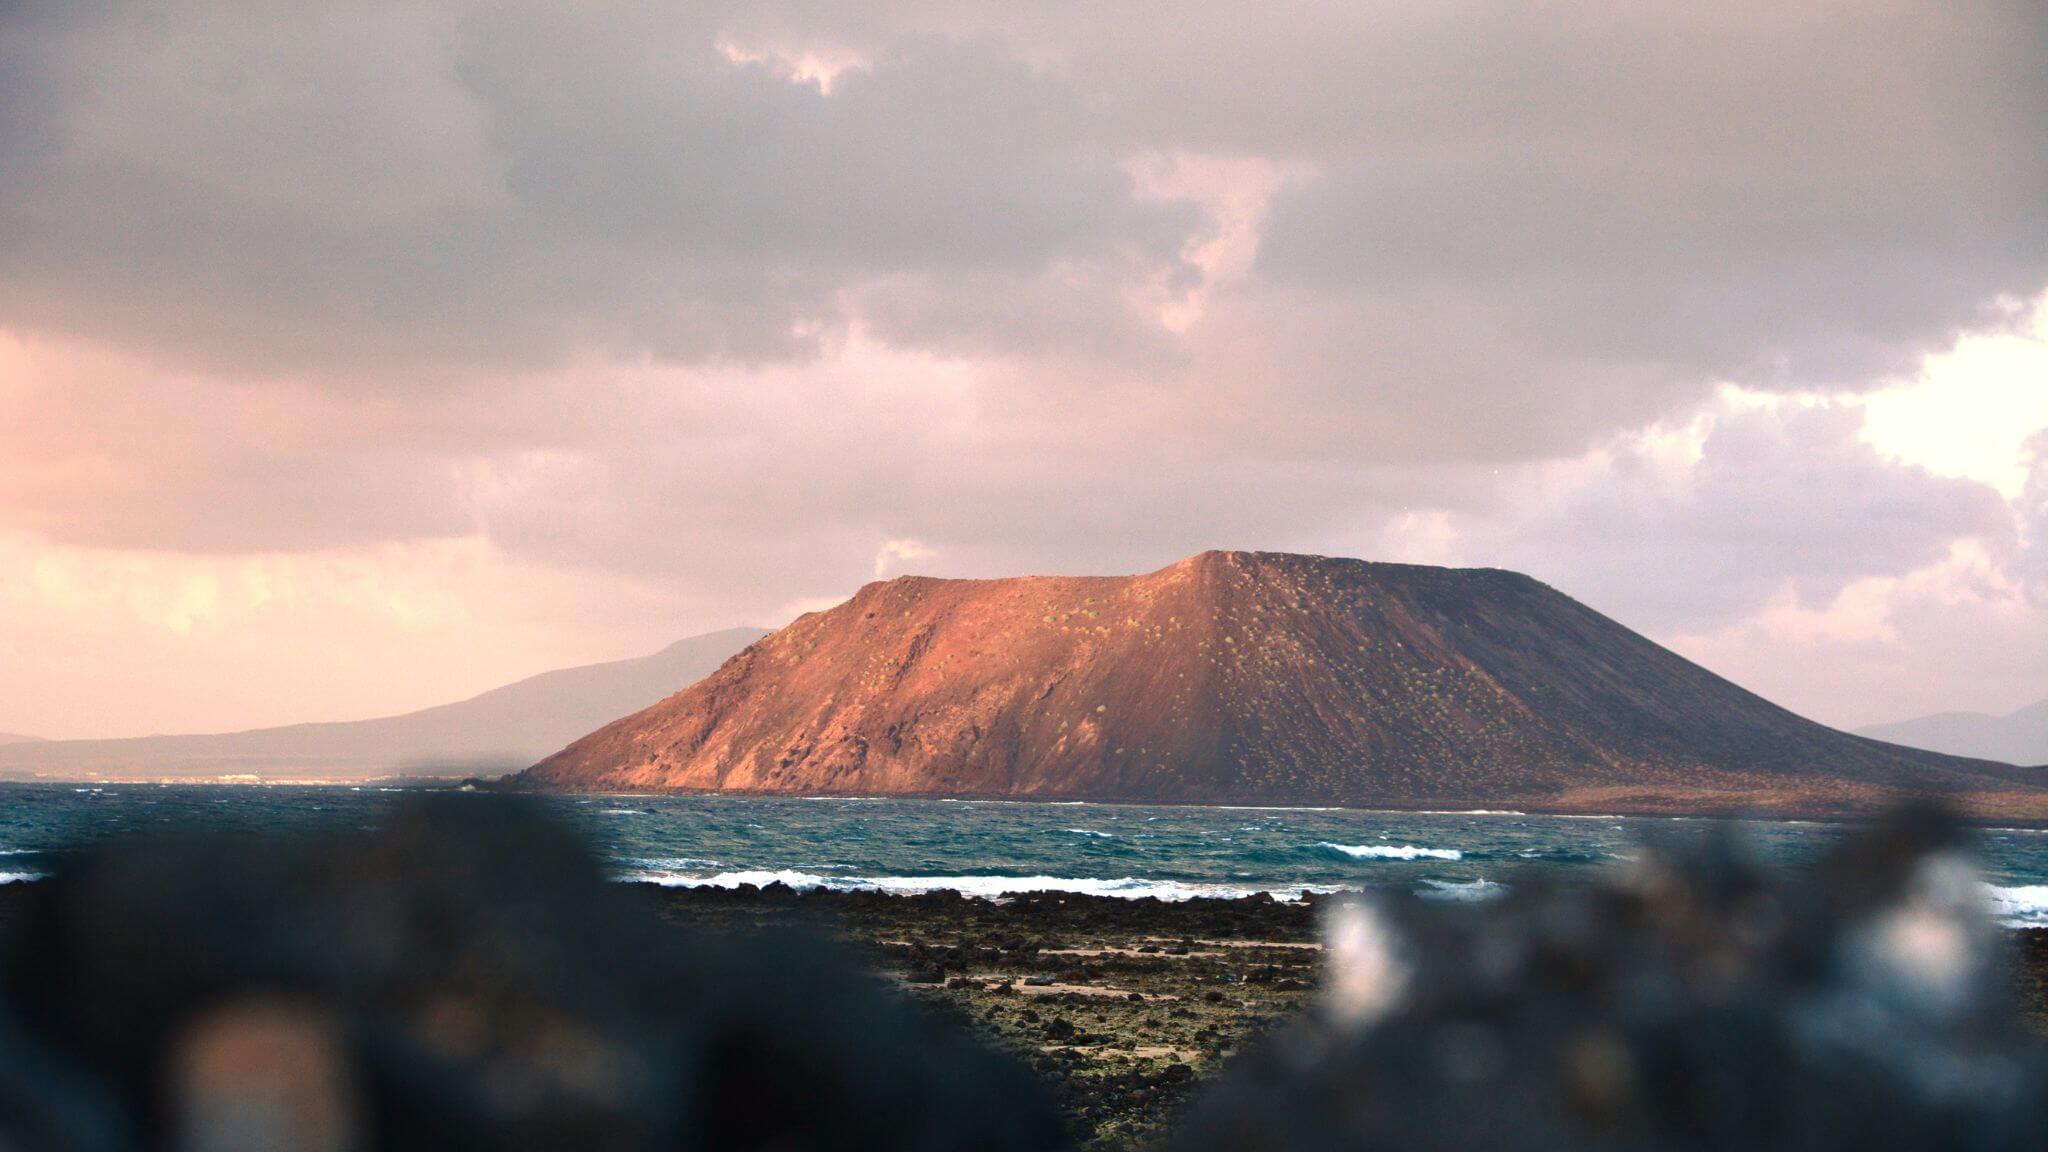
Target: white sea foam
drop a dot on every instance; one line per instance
(1279, 808)
(1461, 890)
(1393, 851)
(2022, 906)
(18, 877)
(984, 887)
(1090, 832)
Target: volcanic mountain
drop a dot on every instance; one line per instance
(1238, 677)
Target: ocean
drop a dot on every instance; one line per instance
(990, 848)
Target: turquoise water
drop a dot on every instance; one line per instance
(990, 848)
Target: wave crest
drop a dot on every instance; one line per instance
(1392, 851)
(1462, 891)
(2020, 906)
(983, 887)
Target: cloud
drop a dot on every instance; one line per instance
(723, 300)
(1767, 537)
(1813, 192)
(1961, 633)
(370, 188)
(96, 642)
(1783, 496)
(1808, 190)
(2033, 514)
(897, 551)
(1971, 409)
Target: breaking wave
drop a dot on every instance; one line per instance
(2023, 906)
(1392, 851)
(984, 887)
(1461, 890)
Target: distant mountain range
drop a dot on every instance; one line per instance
(502, 729)
(2019, 737)
(11, 738)
(1254, 678)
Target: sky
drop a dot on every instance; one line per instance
(361, 356)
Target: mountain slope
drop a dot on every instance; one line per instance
(499, 729)
(11, 738)
(1248, 678)
(2019, 737)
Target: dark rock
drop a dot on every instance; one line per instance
(462, 978)
(1701, 1003)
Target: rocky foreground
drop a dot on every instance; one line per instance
(465, 977)
(1122, 1007)
(1125, 1009)
(1128, 1009)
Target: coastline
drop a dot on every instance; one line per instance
(1124, 1007)
(1867, 812)
(1660, 809)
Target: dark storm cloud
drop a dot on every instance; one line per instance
(356, 188)
(1802, 192)
(1809, 189)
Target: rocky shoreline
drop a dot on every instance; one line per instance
(1122, 1006)
(1126, 1009)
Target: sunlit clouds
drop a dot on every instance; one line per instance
(359, 359)
(1972, 409)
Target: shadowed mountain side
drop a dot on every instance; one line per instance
(2020, 737)
(1238, 677)
(500, 729)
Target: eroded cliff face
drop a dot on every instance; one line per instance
(1246, 677)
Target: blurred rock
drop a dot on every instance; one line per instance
(258, 1074)
(461, 978)
(1699, 1001)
